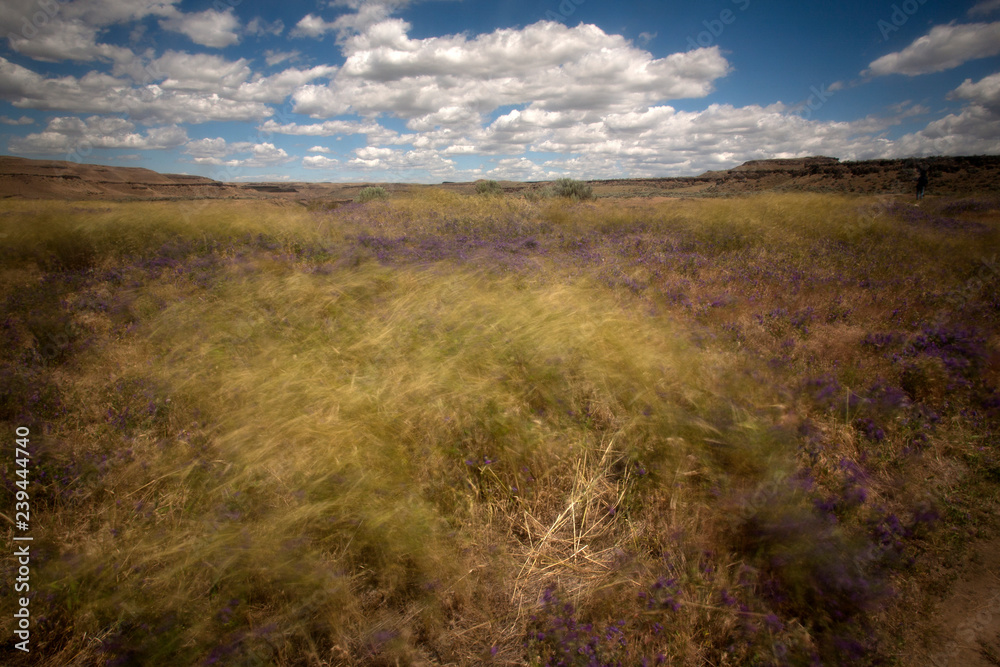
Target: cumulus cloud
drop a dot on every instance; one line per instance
(68, 41)
(272, 57)
(181, 70)
(319, 162)
(208, 28)
(985, 92)
(212, 151)
(521, 169)
(207, 148)
(364, 15)
(318, 149)
(66, 134)
(452, 80)
(269, 178)
(944, 47)
(23, 120)
(69, 31)
(259, 27)
(311, 25)
(327, 128)
(277, 87)
(984, 8)
(973, 131)
(189, 88)
(104, 94)
(379, 158)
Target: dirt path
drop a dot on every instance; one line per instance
(968, 617)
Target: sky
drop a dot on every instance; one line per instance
(458, 90)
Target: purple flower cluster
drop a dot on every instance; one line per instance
(557, 638)
(136, 403)
(917, 216)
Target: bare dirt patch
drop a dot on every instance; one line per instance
(964, 628)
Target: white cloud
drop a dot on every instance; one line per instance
(377, 158)
(311, 25)
(273, 57)
(277, 87)
(68, 41)
(985, 92)
(318, 149)
(265, 178)
(453, 80)
(327, 128)
(207, 148)
(192, 88)
(23, 120)
(68, 30)
(208, 28)
(212, 152)
(319, 162)
(944, 47)
(973, 131)
(521, 169)
(265, 154)
(366, 14)
(66, 134)
(200, 71)
(260, 27)
(984, 8)
(319, 102)
(25, 88)
(108, 12)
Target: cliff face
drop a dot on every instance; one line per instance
(57, 179)
(948, 175)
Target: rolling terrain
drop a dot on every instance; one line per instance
(671, 424)
(952, 176)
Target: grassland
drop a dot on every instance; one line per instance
(454, 429)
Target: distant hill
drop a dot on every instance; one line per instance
(58, 179)
(948, 176)
(54, 179)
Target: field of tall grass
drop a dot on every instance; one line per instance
(447, 429)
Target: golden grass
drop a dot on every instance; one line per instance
(390, 464)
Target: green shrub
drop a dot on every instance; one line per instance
(370, 193)
(488, 188)
(575, 190)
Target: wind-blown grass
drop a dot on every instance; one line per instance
(446, 429)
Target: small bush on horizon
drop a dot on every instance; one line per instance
(371, 193)
(488, 188)
(573, 189)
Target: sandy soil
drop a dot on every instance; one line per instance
(968, 617)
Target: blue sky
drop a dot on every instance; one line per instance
(403, 90)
